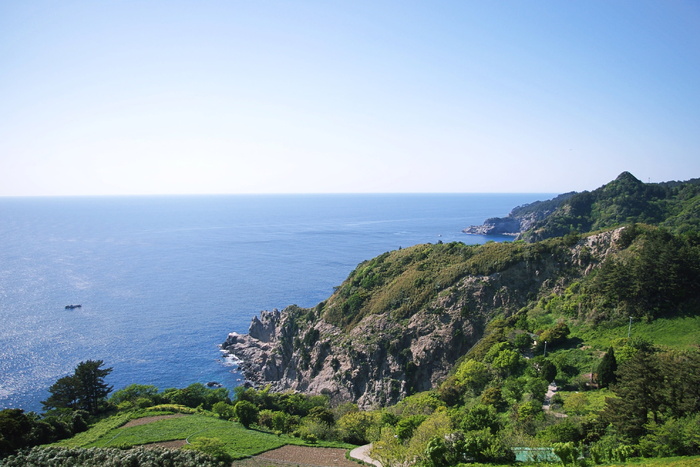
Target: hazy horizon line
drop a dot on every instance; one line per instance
(349, 193)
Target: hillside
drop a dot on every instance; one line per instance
(549, 347)
(625, 200)
(400, 321)
(584, 344)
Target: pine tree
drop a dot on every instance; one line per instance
(639, 392)
(607, 369)
(84, 390)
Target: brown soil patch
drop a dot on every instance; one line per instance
(147, 420)
(299, 455)
(176, 444)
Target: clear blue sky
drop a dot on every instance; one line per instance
(233, 96)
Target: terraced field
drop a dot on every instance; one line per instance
(176, 430)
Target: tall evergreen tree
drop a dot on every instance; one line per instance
(681, 385)
(607, 369)
(84, 390)
(639, 391)
(64, 394)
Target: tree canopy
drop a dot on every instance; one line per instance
(85, 389)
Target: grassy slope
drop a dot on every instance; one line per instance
(239, 441)
(677, 333)
(97, 431)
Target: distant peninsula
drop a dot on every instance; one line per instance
(520, 219)
(625, 200)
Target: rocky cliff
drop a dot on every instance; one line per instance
(400, 321)
(520, 219)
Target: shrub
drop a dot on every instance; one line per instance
(406, 426)
(223, 410)
(359, 427)
(153, 457)
(508, 362)
(485, 447)
(522, 341)
(246, 413)
(284, 422)
(213, 447)
(493, 396)
(481, 417)
(562, 432)
(576, 403)
(611, 448)
(135, 395)
(529, 410)
(567, 452)
(472, 375)
(311, 430)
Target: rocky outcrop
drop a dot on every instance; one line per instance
(382, 359)
(511, 225)
(520, 219)
(496, 226)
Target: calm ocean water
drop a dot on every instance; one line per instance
(163, 280)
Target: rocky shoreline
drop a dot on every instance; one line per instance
(380, 360)
(520, 219)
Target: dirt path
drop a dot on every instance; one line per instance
(551, 390)
(362, 453)
(547, 406)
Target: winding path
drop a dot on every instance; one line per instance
(547, 406)
(362, 454)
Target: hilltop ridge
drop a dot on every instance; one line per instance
(624, 200)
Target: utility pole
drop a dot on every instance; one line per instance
(629, 329)
(545, 349)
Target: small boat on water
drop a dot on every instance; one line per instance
(72, 307)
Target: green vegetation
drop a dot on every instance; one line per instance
(296, 419)
(239, 442)
(400, 283)
(97, 431)
(84, 390)
(625, 200)
(53, 457)
(611, 318)
(678, 332)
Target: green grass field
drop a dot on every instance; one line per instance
(675, 333)
(98, 430)
(239, 442)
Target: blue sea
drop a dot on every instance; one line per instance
(162, 280)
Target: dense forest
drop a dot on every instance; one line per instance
(575, 344)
